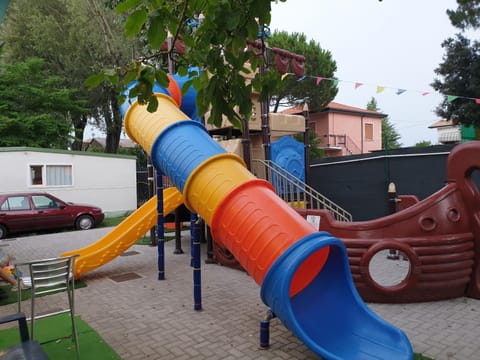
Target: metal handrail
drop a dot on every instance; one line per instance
(297, 193)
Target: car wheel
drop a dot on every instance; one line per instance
(84, 222)
(3, 231)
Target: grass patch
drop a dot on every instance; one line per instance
(111, 221)
(54, 335)
(7, 296)
(421, 357)
(145, 240)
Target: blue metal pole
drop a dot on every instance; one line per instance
(265, 330)
(195, 261)
(160, 228)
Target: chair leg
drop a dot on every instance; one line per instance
(71, 303)
(32, 315)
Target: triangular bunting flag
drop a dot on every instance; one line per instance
(301, 78)
(451, 98)
(477, 101)
(380, 89)
(335, 82)
(400, 91)
(319, 79)
(425, 93)
(358, 84)
(285, 75)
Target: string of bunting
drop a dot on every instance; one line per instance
(379, 89)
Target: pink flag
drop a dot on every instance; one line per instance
(358, 84)
(477, 101)
(319, 79)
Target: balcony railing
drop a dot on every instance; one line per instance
(340, 141)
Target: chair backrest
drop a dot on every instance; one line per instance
(50, 275)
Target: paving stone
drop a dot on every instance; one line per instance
(145, 318)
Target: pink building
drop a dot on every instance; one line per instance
(345, 130)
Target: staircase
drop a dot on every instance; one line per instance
(294, 191)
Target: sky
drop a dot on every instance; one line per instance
(391, 43)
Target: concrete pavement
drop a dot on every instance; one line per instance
(143, 318)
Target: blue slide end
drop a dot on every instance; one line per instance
(328, 315)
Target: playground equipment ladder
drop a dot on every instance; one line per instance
(298, 194)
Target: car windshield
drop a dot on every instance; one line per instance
(16, 203)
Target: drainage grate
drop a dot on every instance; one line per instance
(125, 277)
(129, 253)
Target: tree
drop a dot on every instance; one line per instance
(215, 35)
(315, 152)
(35, 106)
(459, 73)
(317, 60)
(75, 38)
(390, 136)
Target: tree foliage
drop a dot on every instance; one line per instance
(35, 106)
(318, 62)
(423, 144)
(315, 152)
(75, 38)
(218, 46)
(467, 14)
(390, 136)
(459, 73)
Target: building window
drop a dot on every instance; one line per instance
(36, 174)
(369, 132)
(51, 175)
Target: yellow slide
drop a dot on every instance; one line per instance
(124, 234)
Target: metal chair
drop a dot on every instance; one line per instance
(45, 277)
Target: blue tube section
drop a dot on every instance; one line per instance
(189, 98)
(180, 148)
(328, 315)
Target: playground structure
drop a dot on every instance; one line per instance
(438, 236)
(303, 274)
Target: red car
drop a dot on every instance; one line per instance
(27, 212)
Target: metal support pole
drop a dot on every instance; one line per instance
(209, 259)
(178, 233)
(195, 261)
(151, 193)
(246, 143)
(392, 206)
(265, 330)
(160, 229)
(306, 142)
(265, 122)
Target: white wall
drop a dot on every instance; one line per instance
(107, 181)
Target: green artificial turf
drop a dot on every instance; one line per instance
(7, 296)
(55, 336)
